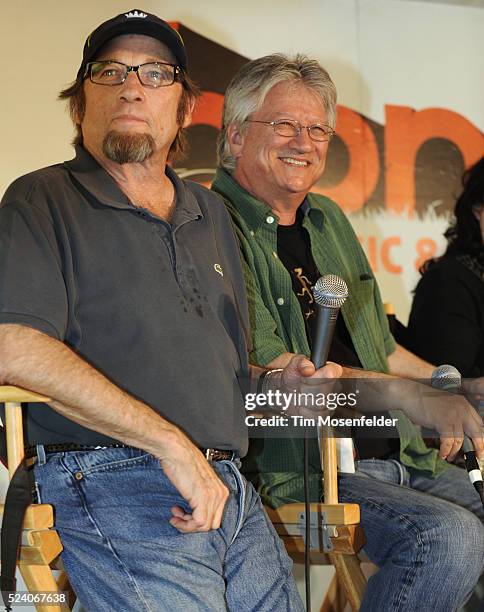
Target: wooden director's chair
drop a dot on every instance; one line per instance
(40, 545)
(336, 535)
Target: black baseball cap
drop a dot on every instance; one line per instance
(133, 22)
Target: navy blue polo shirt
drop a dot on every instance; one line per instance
(159, 308)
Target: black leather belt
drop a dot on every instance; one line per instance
(31, 450)
(211, 454)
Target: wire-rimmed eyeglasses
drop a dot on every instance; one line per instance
(318, 132)
(151, 74)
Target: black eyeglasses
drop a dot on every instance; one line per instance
(286, 127)
(151, 74)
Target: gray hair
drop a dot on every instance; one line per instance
(249, 87)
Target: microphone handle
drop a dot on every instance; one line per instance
(325, 324)
(467, 445)
(472, 466)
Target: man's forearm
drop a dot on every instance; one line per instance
(380, 392)
(35, 361)
(402, 363)
(379, 402)
(405, 364)
(79, 392)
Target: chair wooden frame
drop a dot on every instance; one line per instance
(342, 524)
(41, 546)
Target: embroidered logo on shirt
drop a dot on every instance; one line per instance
(218, 268)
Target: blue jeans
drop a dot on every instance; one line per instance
(112, 508)
(429, 550)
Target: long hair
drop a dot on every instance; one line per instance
(464, 236)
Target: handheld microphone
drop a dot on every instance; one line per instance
(448, 378)
(330, 293)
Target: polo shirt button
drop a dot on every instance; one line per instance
(252, 233)
(270, 219)
(280, 301)
(275, 255)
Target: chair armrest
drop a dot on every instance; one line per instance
(9, 393)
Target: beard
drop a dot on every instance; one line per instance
(128, 148)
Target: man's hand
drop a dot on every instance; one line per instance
(300, 375)
(300, 370)
(197, 482)
(451, 416)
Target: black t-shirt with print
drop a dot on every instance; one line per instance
(294, 251)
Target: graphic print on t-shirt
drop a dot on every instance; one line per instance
(304, 293)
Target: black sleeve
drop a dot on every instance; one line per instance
(32, 288)
(444, 325)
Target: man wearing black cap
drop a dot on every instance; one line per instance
(123, 300)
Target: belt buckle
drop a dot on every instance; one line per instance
(216, 454)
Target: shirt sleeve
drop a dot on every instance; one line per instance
(33, 292)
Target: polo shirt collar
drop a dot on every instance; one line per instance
(253, 211)
(86, 170)
(187, 207)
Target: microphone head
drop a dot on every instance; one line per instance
(330, 291)
(446, 377)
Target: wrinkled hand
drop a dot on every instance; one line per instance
(300, 369)
(451, 416)
(197, 482)
(301, 375)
